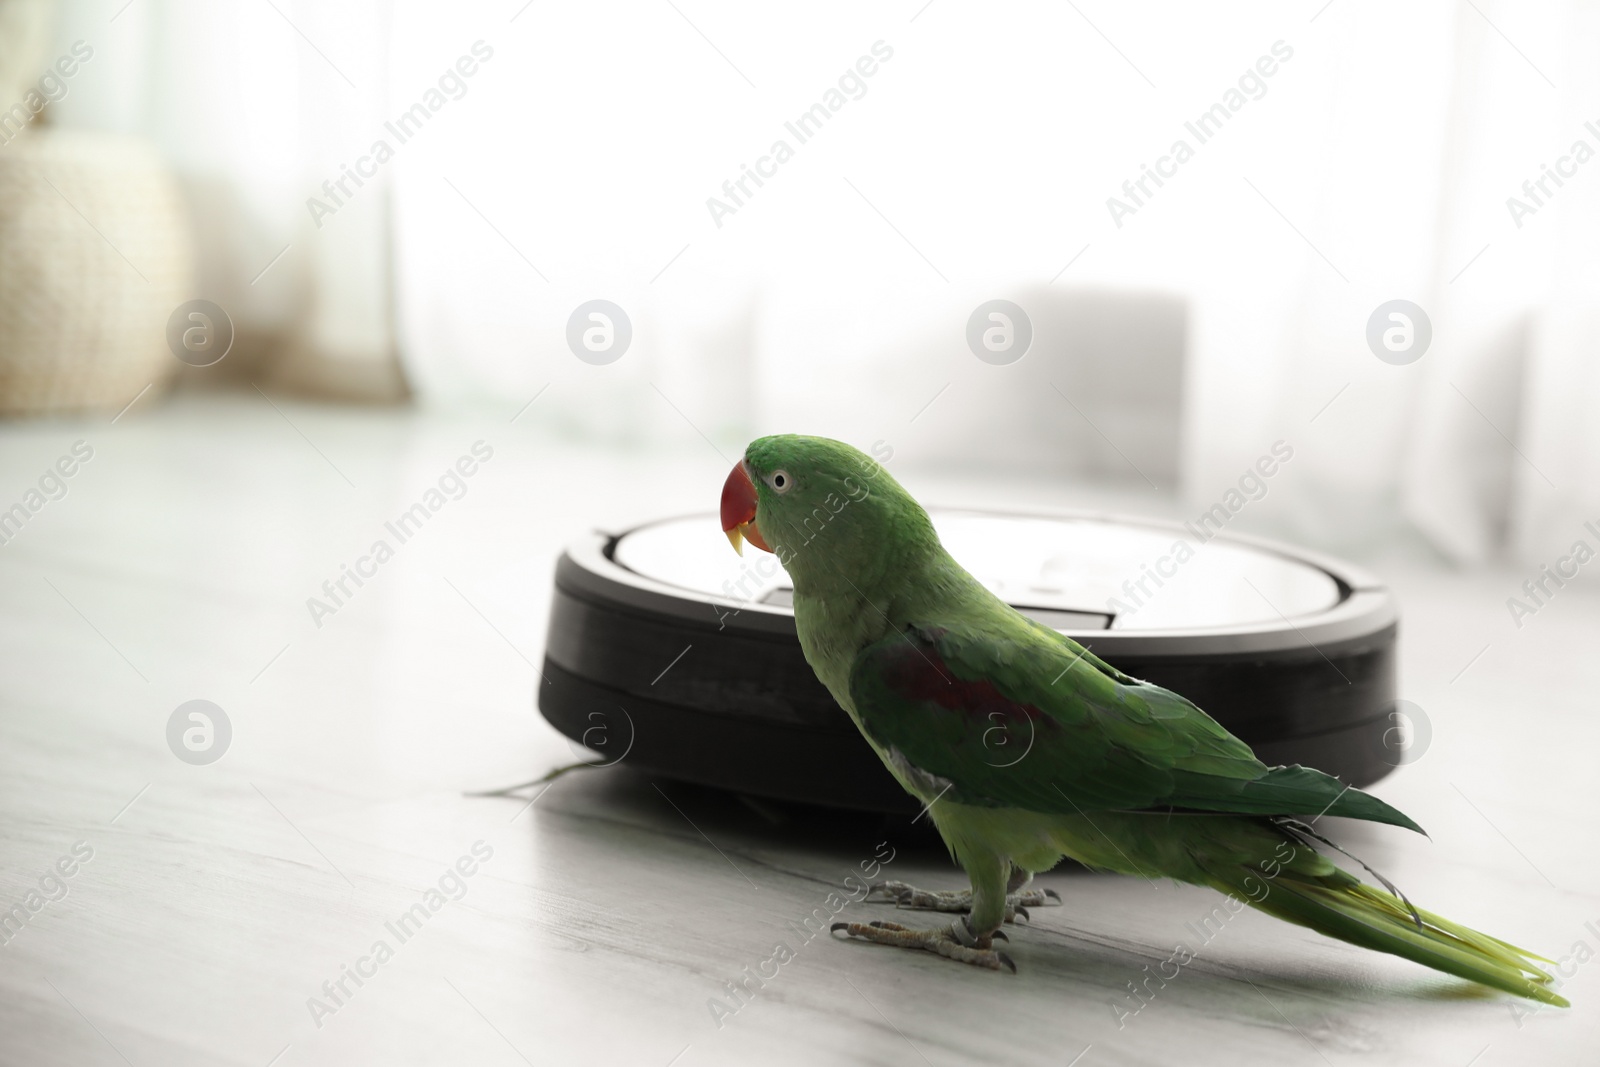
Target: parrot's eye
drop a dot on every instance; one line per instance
(780, 481)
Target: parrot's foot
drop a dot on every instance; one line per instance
(906, 896)
(954, 942)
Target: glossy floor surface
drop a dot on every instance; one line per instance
(176, 912)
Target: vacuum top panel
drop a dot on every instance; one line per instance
(1075, 573)
(1291, 650)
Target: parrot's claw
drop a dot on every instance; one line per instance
(906, 896)
(954, 942)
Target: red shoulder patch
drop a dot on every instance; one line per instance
(915, 671)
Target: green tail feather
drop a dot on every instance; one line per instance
(1287, 788)
(1340, 906)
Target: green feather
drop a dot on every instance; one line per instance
(1371, 918)
(948, 684)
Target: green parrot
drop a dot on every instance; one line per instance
(945, 680)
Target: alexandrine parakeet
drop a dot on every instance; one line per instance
(1119, 774)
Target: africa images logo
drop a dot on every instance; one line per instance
(803, 128)
(451, 485)
(1202, 128)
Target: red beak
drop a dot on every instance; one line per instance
(739, 510)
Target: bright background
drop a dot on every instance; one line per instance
(977, 165)
(429, 313)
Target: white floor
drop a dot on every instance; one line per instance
(218, 899)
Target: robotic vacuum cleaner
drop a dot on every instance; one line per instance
(673, 654)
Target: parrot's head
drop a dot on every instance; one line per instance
(822, 507)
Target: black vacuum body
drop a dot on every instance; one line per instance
(667, 651)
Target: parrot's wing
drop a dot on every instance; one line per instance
(1024, 717)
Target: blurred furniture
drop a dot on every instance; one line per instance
(1099, 394)
(24, 35)
(95, 254)
(1119, 358)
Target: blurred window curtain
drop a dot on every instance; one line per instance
(572, 152)
(255, 105)
(1374, 164)
(1529, 324)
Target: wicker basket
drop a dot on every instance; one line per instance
(24, 42)
(95, 255)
